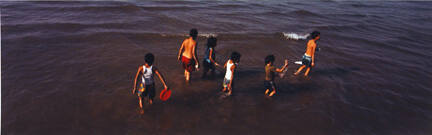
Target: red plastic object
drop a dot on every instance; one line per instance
(165, 94)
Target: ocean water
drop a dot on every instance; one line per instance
(68, 67)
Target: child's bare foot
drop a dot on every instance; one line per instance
(141, 111)
(296, 73)
(266, 92)
(229, 93)
(272, 93)
(150, 101)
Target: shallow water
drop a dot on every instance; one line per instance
(68, 67)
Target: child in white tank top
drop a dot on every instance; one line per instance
(230, 66)
(147, 87)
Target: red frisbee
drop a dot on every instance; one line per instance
(165, 94)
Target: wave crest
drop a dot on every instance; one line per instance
(295, 36)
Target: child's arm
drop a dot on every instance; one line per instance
(232, 77)
(180, 50)
(211, 59)
(194, 55)
(313, 55)
(225, 64)
(283, 67)
(161, 78)
(136, 77)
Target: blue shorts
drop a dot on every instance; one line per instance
(307, 60)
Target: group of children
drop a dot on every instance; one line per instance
(188, 57)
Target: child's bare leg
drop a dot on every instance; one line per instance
(267, 91)
(229, 91)
(299, 70)
(187, 75)
(150, 101)
(273, 92)
(140, 102)
(224, 89)
(307, 71)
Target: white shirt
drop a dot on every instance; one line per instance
(228, 73)
(147, 77)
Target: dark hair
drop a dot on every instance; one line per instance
(211, 42)
(314, 34)
(235, 56)
(149, 58)
(269, 58)
(193, 33)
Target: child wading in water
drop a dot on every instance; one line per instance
(230, 66)
(209, 61)
(147, 85)
(270, 74)
(187, 54)
(308, 59)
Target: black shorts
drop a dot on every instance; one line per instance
(269, 85)
(208, 65)
(149, 91)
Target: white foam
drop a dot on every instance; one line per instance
(295, 36)
(207, 35)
